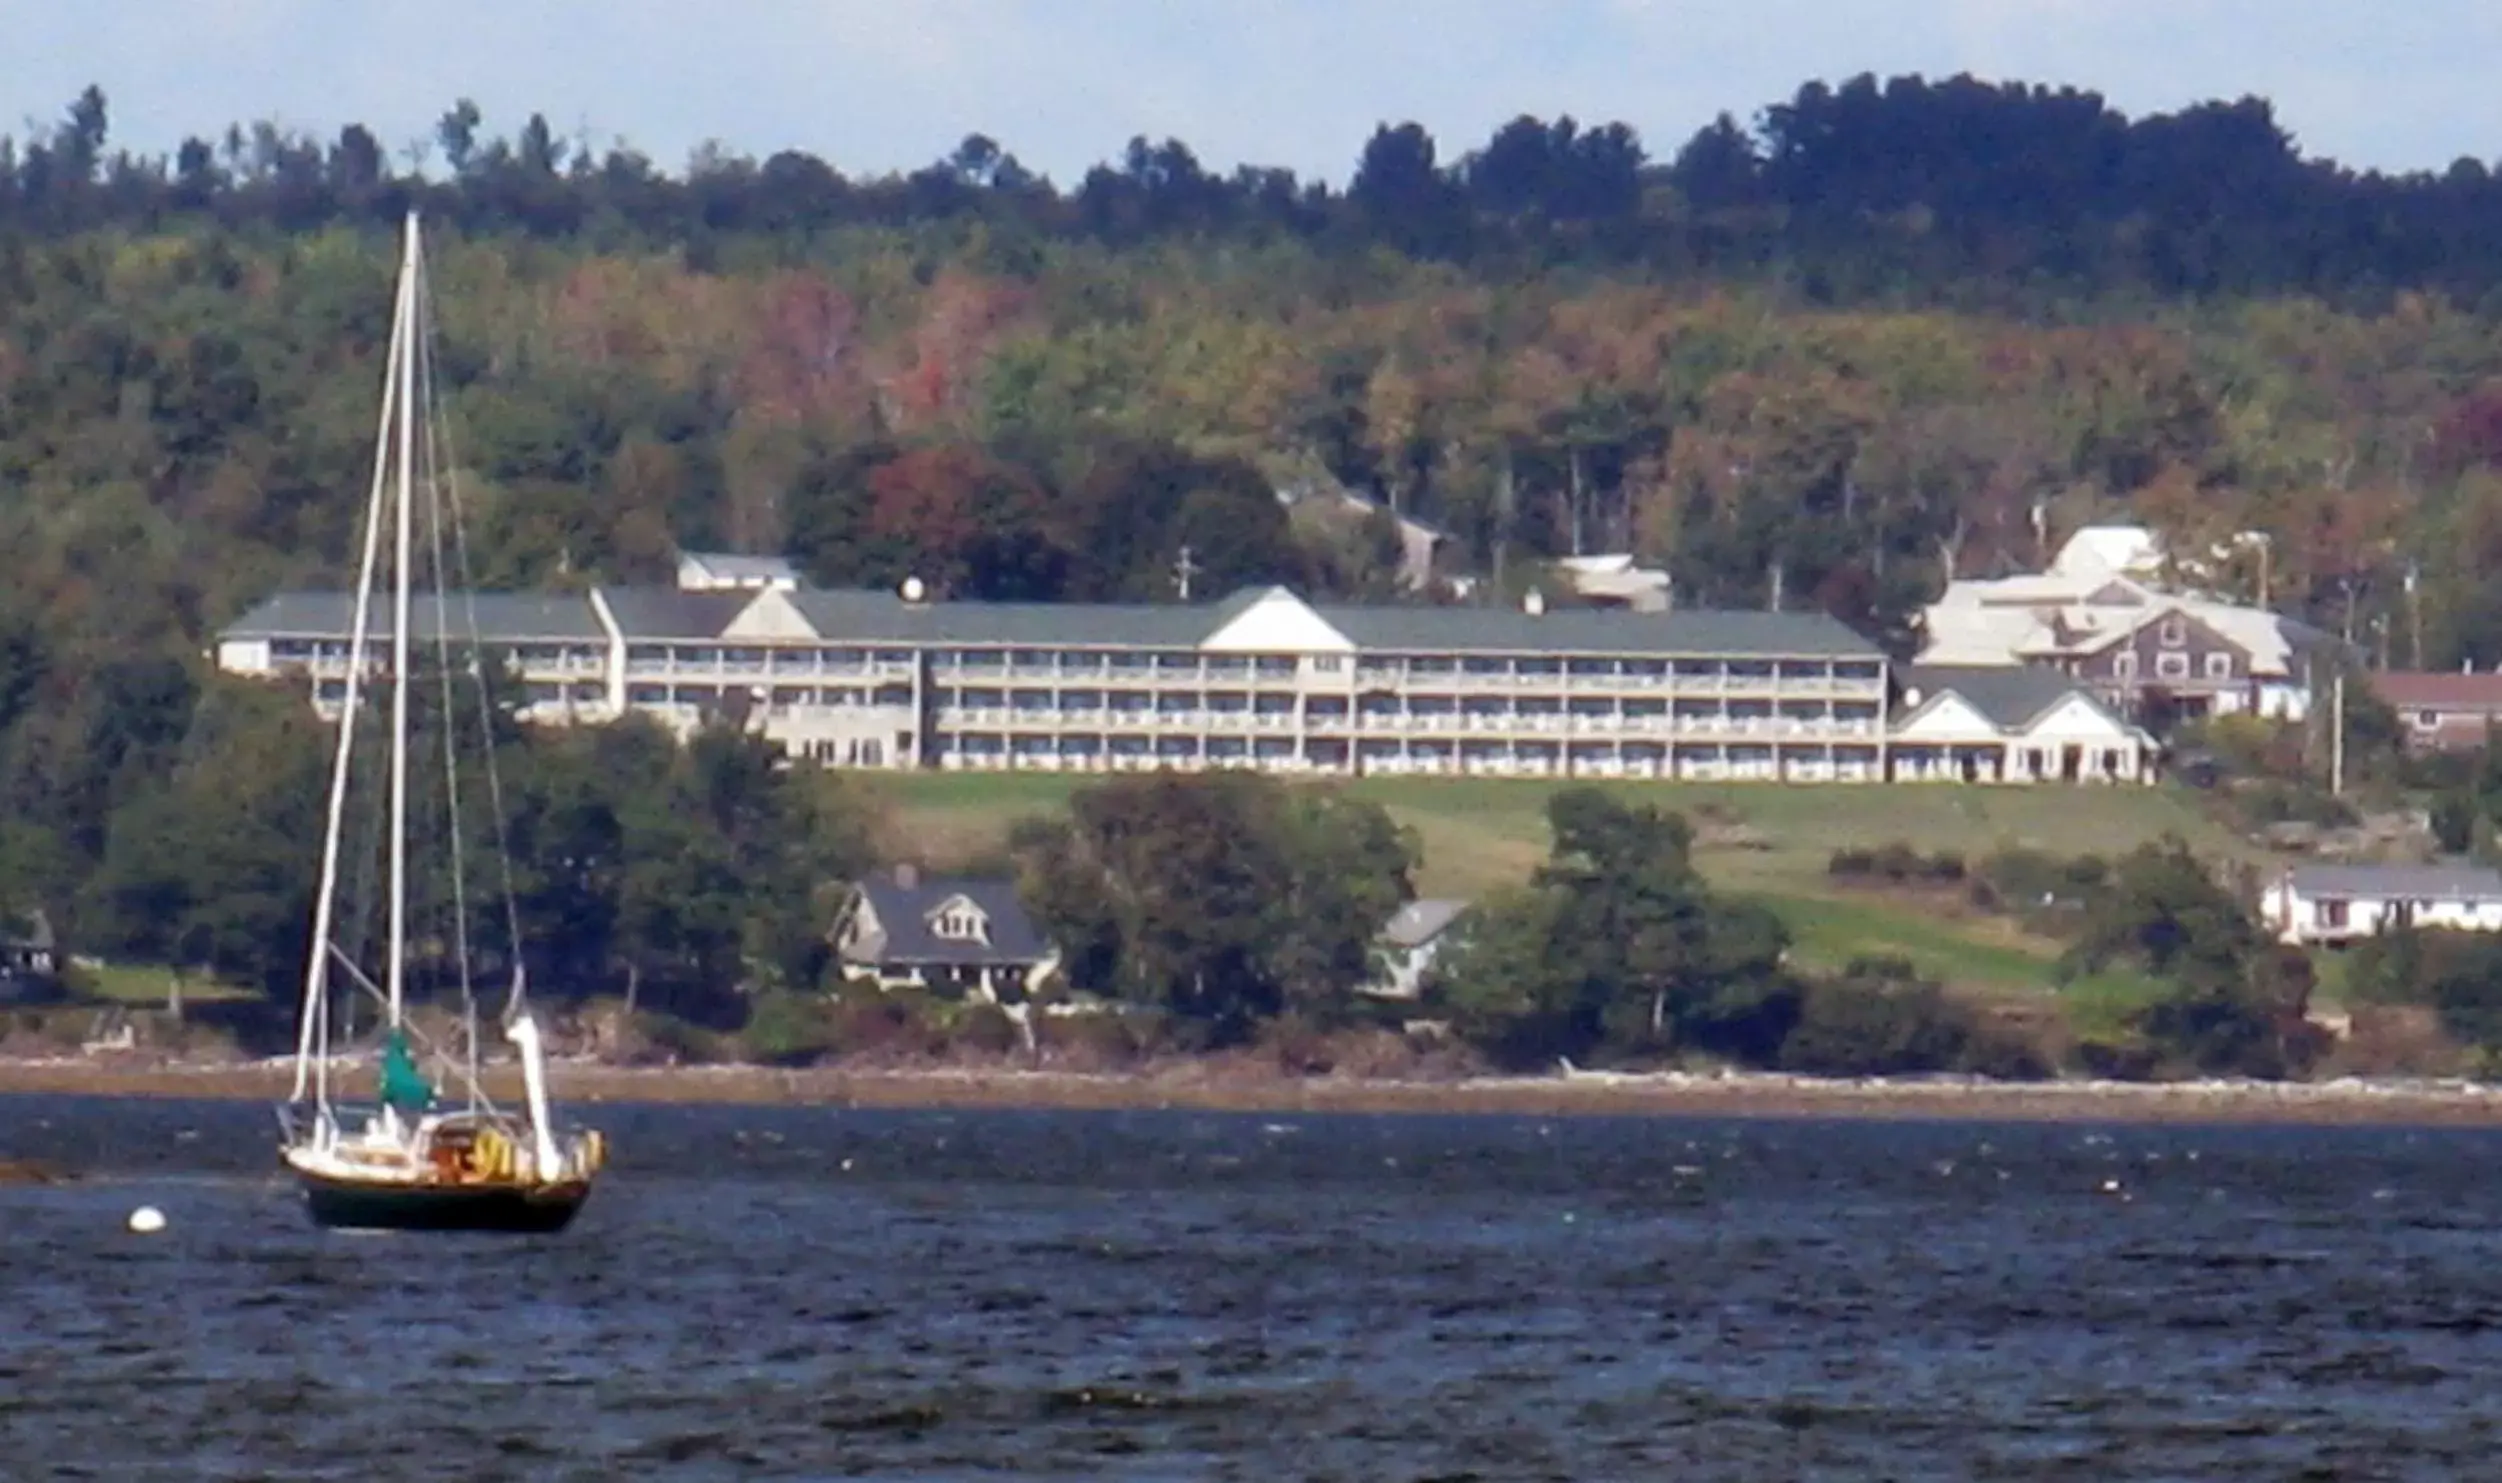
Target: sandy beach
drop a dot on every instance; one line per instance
(1219, 1087)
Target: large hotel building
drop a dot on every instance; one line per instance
(1263, 679)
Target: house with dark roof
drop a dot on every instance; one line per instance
(2337, 904)
(964, 936)
(2442, 711)
(2011, 724)
(1261, 679)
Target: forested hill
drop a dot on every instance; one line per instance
(1894, 332)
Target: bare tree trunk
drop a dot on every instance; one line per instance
(1950, 547)
(1577, 497)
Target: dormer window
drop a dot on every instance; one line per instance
(959, 921)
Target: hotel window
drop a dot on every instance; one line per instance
(1329, 664)
(2219, 666)
(2124, 665)
(2172, 666)
(2174, 633)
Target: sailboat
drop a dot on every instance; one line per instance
(413, 1158)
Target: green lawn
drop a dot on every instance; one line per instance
(145, 984)
(1480, 833)
(1981, 956)
(1976, 952)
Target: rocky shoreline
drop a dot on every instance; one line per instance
(1219, 1086)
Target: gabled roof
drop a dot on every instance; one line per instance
(904, 912)
(1420, 922)
(2005, 621)
(2010, 697)
(2414, 882)
(500, 617)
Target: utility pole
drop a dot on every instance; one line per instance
(2337, 736)
(1183, 570)
(2414, 616)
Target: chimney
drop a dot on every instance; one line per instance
(908, 876)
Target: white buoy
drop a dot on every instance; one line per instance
(147, 1220)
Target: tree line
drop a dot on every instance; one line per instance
(1864, 190)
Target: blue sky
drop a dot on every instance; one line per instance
(873, 85)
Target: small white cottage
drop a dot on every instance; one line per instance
(2335, 904)
(1408, 945)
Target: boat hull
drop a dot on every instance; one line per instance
(513, 1209)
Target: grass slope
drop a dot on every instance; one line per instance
(1480, 834)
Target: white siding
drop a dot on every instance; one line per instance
(771, 616)
(1950, 719)
(1278, 623)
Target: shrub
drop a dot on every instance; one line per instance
(1302, 1045)
(1897, 863)
(891, 1026)
(1878, 1018)
(985, 1028)
(787, 1029)
(653, 1038)
(1090, 1042)
(2005, 1051)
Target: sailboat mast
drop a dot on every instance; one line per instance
(312, 1050)
(397, 964)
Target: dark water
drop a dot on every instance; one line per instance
(804, 1294)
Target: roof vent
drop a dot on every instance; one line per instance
(1534, 603)
(913, 591)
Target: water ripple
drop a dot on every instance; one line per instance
(815, 1293)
